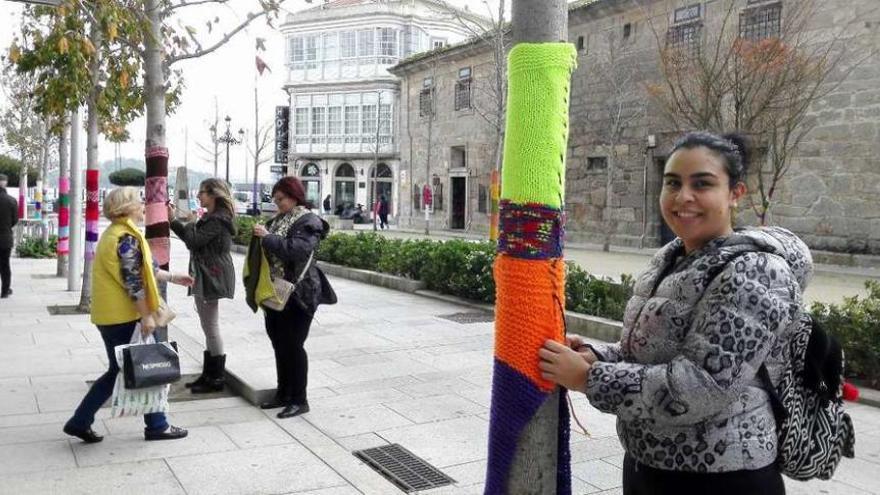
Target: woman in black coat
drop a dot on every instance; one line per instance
(209, 241)
(289, 241)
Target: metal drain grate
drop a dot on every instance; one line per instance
(403, 468)
(472, 317)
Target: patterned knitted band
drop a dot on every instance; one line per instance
(156, 192)
(530, 231)
(534, 147)
(92, 213)
(63, 246)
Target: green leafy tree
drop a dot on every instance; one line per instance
(79, 52)
(11, 168)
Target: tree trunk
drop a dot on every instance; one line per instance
(91, 237)
(533, 468)
(74, 268)
(156, 191)
(63, 202)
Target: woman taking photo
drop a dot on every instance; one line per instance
(124, 293)
(713, 307)
(289, 241)
(209, 241)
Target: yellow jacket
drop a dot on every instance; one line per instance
(111, 303)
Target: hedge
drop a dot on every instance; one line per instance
(854, 323)
(464, 269)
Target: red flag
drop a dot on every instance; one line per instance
(261, 66)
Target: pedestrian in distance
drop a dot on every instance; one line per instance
(209, 241)
(289, 241)
(8, 219)
(124, 293)
(715, 306)
(326, 205)
(383, 212)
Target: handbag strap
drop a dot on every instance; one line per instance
(305, 269)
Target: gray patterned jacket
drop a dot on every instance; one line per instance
(682, 380)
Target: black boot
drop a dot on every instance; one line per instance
(215, 376)
(201, 379)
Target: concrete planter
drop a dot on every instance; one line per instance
(593, 327)
(373, 278)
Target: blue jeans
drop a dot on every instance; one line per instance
(102, 389)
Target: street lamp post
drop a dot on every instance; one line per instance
(229, 139)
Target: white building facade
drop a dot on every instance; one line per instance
(344, 103)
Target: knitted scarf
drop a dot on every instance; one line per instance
(529, 271)
(280, 225)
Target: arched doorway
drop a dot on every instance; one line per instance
(310, 175)
(383, 181)
(343, 186)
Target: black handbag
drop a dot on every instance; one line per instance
(149, 365)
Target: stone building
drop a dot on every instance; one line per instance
(619, 137)
(343, 101)
(448, 135)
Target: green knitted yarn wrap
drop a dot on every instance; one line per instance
(539, 75)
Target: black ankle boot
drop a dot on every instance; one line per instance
(201, 379)
(215, 376)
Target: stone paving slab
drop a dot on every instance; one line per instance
(274, 469)
(134, 478)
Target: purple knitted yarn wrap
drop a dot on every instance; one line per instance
(515, 400)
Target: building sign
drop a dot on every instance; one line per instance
(278, 169)
(282, 137)
(688, 13)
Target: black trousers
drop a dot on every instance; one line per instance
(288, 331)
(639, 479)
(5, 271)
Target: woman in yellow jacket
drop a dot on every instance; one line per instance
(124, 293)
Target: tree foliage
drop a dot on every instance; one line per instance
(11, 168)
(54, 47)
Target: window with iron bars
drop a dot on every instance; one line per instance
(426, 98)
(463, 89)
(761, 22)
(685, 37)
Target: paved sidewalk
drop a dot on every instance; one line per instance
(384, 368)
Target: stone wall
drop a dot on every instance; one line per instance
(828, 196)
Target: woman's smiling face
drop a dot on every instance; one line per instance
(697, 199)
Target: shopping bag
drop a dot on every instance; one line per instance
(139, 401)
(148, 365)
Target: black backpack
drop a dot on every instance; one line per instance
(814, 430)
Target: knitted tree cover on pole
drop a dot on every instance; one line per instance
(529, 271)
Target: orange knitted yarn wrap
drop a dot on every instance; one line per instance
(532, 293)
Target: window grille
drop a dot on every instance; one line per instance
(761, 22)
(463, 89)
(388, 42)
(426, 98)
(368, 120)
(347, 44)
(685, 38)
(365, 43)
(597, 163)
(331, 46)
(385, 119)
(301, 121)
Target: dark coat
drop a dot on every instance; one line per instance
(302, 239)
(209, 241)
(383, 206)
(8, 218)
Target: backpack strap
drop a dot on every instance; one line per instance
(779, 411)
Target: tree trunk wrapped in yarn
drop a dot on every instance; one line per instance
(529, 270)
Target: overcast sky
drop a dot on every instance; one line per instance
(227, 75)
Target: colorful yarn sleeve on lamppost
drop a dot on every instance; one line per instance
(38, 201)
(92, 213)
(156, 196)
(529, 270)
(63, 247)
